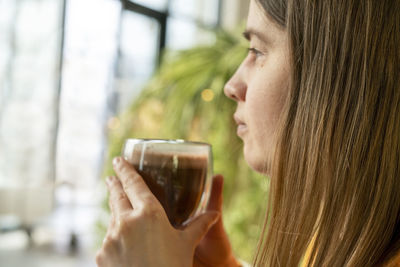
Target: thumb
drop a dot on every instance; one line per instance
(215, 204)
(200, 226)
(215, 200)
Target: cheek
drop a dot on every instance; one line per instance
(259, 144)
(264, 111)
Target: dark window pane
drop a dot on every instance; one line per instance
(138, 54)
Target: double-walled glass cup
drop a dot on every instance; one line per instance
(177, 172)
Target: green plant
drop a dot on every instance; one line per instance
(185, 100)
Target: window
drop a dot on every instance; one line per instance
(147, 27)
(87, 89)
(138, 54)
(66, 68)
(106, 51)
(30, 46)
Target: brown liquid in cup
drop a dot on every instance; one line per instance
(177, 182)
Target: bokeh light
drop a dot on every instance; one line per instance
(207, 95)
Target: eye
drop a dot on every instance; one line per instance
(255, 52)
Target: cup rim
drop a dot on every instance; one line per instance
(166, 141)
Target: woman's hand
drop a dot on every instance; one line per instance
(215, 249)
(140, 233)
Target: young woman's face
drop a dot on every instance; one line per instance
(260, 87)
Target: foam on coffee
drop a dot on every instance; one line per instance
(161, 158)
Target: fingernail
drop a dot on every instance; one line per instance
(116, 161)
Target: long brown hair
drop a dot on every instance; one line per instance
(335, 182)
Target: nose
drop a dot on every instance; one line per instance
(236, 87)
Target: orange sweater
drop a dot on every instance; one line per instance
(395, 261)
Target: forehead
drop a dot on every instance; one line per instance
(259, 22)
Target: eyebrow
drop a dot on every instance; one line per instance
(248, 33)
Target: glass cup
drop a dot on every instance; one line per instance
(178, 173)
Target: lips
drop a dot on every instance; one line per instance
(241, 126)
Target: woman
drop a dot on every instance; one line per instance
(318, 109)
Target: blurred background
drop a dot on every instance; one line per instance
(77, 77)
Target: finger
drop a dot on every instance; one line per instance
(215, 204)
(215, 200)
(199, 227)
(119, 202)
(111, 227)
(111, 224)
(132, 183)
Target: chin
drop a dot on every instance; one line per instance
(256, 161)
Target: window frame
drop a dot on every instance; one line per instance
(162, 18)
